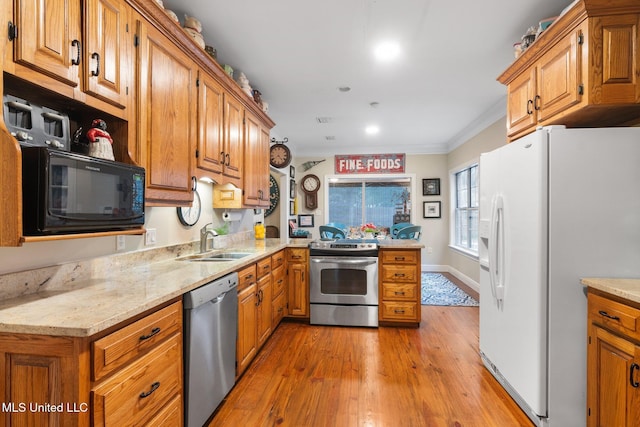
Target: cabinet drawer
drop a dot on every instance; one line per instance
(141, 389)
(263, 267)
(297, 254)
(400, 311)
(277, 259)
(247, 276)
(170, 415)
(399, 273)
(116, 350)
(399, 292)
(614, 315)
(399, 257)
(278, 279)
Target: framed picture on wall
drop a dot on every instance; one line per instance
(292, 172)
(292, 207)
(431, 187)
(431, 210)
(292, 188)
(305, 220)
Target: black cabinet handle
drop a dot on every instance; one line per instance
(78, 47)
(96, 56)
(153, 388)
(227, 160)
(154, 331)
(529, 107)
(634, 384)
(607, 315)
(222, 157)
(536, 103)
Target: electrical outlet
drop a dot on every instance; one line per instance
(429, 250)
(120, 243)
(150, 237)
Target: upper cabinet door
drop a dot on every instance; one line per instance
(49, 38)
(234, 139)
(106, 62)
(166, 117)
(210, 155)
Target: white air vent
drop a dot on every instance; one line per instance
(330, 138)
(323, 120)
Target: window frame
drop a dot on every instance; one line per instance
(453, 173)
(372, 177)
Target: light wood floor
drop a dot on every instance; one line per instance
(308, 375)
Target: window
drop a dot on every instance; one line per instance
(381, 201)
(465, 233)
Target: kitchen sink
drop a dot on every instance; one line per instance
(217, 257)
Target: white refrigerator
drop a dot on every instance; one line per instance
(556, 205)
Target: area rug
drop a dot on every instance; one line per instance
(438, 290)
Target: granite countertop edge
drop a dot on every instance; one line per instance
(627, 288)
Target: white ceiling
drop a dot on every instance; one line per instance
(440, 92)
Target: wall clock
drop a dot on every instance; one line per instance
(274, 196)
(189, 215)
(310, 185)
(279, 156)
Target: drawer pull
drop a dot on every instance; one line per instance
(399, 275)
(398, 311)
(607, 315)
(399, 292)
(634, 384)
(399, 258)
(153, 388)
(154, 331)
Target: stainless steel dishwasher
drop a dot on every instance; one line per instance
(210, 326)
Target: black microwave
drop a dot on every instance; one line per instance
(65, 192)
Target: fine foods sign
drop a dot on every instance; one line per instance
(369, 163)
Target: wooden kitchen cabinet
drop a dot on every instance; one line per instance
(209, 153)
(98, 380)
(399, 286)
(166, 110)
(233, 149)
(256, 163)
(264, 309)
(581, 72)
(298, 282)
(83, 45)
(613, 361)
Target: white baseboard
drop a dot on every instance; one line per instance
(458, 274)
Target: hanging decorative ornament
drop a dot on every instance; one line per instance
(311, 163)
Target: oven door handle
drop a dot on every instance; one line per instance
(345, 261)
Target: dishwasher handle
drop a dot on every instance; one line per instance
(210, 292)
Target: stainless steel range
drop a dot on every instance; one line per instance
(343, 282)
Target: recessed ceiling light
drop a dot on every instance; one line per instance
(372, 130)
(387, 51)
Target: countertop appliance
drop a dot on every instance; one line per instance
(65, 192)
(210, 330)
(343, 282)
(556, 205)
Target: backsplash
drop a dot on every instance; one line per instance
(64, 276)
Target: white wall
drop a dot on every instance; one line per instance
(164, 219)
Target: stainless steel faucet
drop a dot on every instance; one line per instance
(204, 237)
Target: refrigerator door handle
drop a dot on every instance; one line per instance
(496, 248)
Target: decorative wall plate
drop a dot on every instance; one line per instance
(274, 196)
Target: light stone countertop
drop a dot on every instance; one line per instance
(84, 298)
(625, 288)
